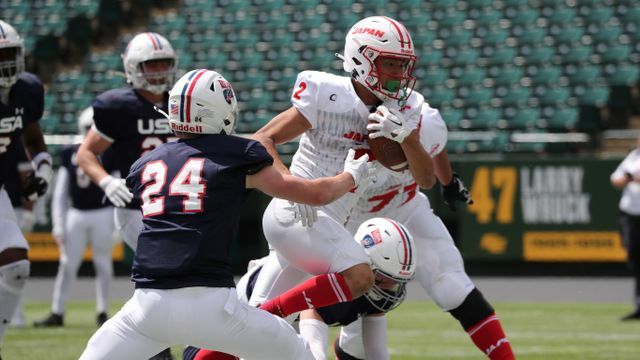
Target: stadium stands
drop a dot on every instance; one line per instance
(491, 66)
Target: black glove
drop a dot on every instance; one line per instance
(34, 187)
(455, 191)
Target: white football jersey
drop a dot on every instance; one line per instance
(338, 121)
(393, 189)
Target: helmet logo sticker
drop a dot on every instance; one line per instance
(367, 241)
(370, 31)
(228, 95)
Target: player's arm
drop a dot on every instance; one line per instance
(37, 183)
(621, 177)
(92, 146)
(443, 169)
(283, 128)
(315, 332)
(374, 337)
(316, 192)
(421, 165)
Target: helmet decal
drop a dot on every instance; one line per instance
(186, 94)
(406, 245)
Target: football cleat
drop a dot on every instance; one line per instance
(101, 318)
(53, 320)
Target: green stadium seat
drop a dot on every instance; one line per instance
(203, 41)
(423, 38)
(485, 118)
(165, 23)
(311, 21)
(472, 76)
(546, 75)
(582, 74)
(562, 16)
(465, 57)
(632, 15)
(85, 7)
(232, 6)
(554, 96)
(605, 35)
(563, 118)
(509, 76)
(443, 4)
(538, 55)
(451, 19)
(522, 17)
(575, 54)
(452, 117)
(433, 57)
(479, 96)
(533, 36)
(441, 97)
(515, 3)
(488, 18)
(515, 97)
(475, 4)
(305, 5)
(495, 37)
(570, 35)
(592, 96)
(413, 21)
(434, 77)
(616, 53)
(522, 118)
(270, 21)
(457, 38)
(502, 56)
(599, 15)
(622, 74)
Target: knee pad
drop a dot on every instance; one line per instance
(13, 276)
(450, 289)
(473, 309)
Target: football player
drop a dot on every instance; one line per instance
(21, 107)
(126, 123)
(390, 249)
(190, 193)
(440, 268)
(79, 217)
(330, 113)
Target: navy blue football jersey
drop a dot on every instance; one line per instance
(132, 123)
(190, 193)
(84, 194)
(25, 106)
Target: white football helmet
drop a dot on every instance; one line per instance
(145, 48)
(85, 121)
(390, 248)
(11, 55)
(375, 38)
(202, 102)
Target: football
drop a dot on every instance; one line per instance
(388, 153)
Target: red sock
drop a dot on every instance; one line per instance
(320, 291)
(205, 354)
(489, 337)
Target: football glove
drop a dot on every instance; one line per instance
(306, 214)
(358, 168)
(116, 191)
(37, 182)
(455, 191)
(388, 123)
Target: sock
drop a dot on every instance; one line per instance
(489, 337)
(205, 354)
(316, 333)
(320, 291)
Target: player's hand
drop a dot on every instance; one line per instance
(358, 168)
(455, 191)
(116, 191)
(58, 235)
(389, 123)
(34, 187)
(306, 214)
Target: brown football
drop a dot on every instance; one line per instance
(388, 153)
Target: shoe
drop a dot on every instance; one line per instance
(101, 318)
(633, 316)
(53, 320)
(163, 355)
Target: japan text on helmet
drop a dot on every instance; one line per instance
(202, 102)
(374, 38)
(143, 49)
(85, 121)
(11, 55)
(390, 248)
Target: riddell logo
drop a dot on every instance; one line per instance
(186, 128)
(370, 31)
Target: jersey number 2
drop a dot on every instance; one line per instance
(187, 184)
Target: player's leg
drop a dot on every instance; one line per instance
(326, 248)
(14, 263)
(313, 329)
(100, 234)
(214, 318)
(441, 273)
(129, 223)
(630, 230)
(71, 251)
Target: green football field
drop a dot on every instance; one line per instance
(418, 330)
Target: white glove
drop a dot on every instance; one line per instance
(116, 190)
(58, 235)
(306, 214)
(358, 168)
(391, 124)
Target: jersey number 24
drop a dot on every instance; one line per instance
(187, 184)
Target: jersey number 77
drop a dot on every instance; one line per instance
(187, 184)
